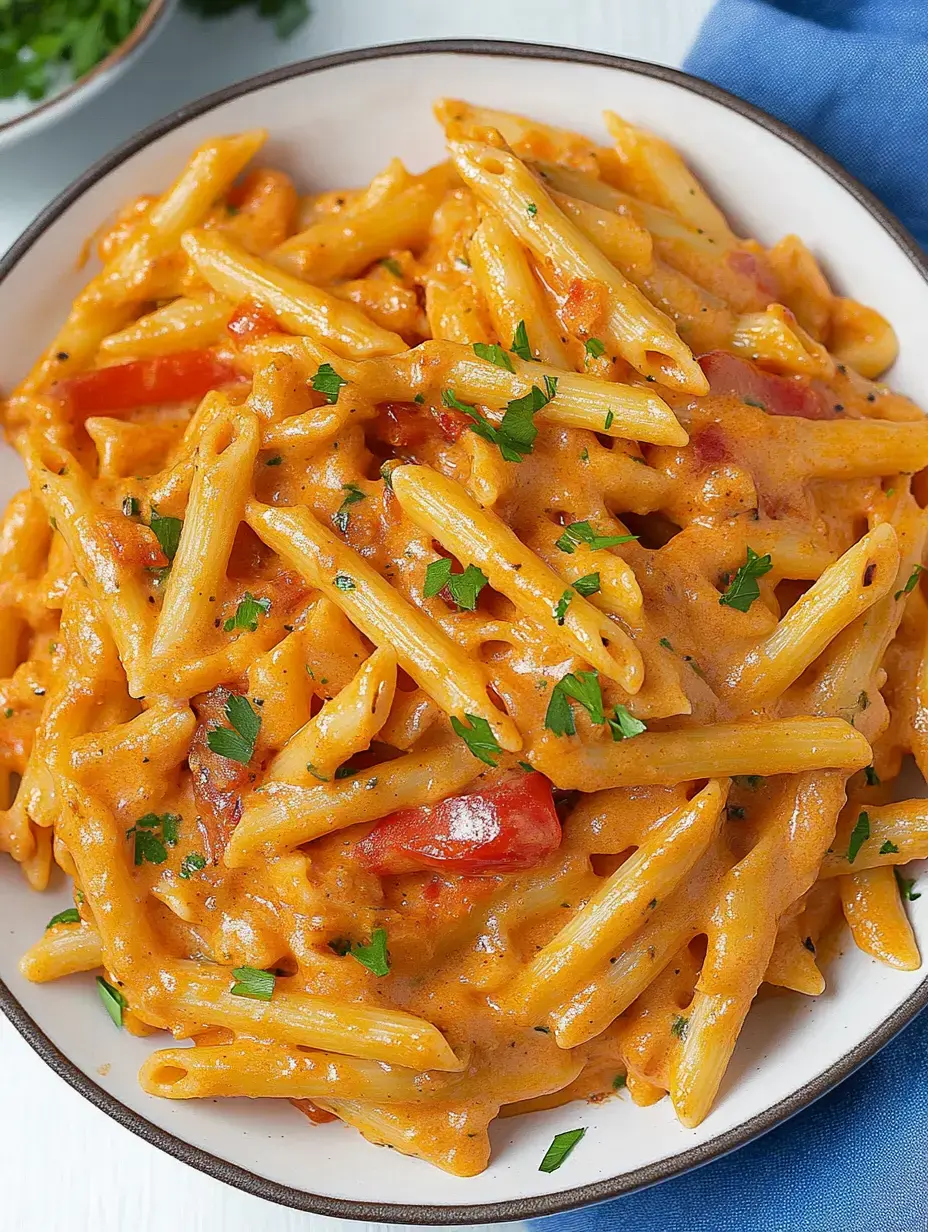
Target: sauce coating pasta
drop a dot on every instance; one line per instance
(461, 633)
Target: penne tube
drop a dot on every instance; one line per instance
(896, 834)
(852, 449)
(877, 918)
(618, 236)
(257, 1071)
(620, 906)
(63, 950)
(183, 324)
(642, 334)
(847, 589)
(862, 338)
(478, 537)
(280, 816)
(713, 1023)
(775, 339)
(344, 726)
(792, 964)
(422, 649)
(204, 996)
(772, 746)
(303, 309)
(512, 292)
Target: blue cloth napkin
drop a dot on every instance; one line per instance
(852, 75)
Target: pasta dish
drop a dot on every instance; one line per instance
(460, 634)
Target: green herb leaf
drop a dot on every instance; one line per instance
(374, 955)
(624, 725)
(588, 585)
(191, 864)
(531, 208)
(911, 583)
(167, 532)
(608, 421)
(478, 737)
(436, 577)
(247, 613)
(342, 516)
(679, 1027)
(344, 582)
(520, 344)
(761, 406)
(515, 436)
(583, 532)
(743, 588)
(559, 1149)
(113, 1001)
(889, 849)
(393, 266)
(465, 587)
(275, 461)
(618, 1082)
(250, 982)
(560, 608)
(237, 743)
(151, 835)
(859, 836)
(905, 887)
(581, 687)
(70, 915)
(328, 382)
(494, 354)
(594, 348)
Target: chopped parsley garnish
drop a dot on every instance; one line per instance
(624, 725)
(515, 436)
(131, 507)
(323, 778)
(679, 1026)
(520, 344)
(608, 421)
(743, 588)
(560, 608)
(275, 461)
(581, 687)
(393, 266)
(911, 583)
(583, 532)
(478, 737)
(618, 1082)
(527, 767)
(906, 886)
(464, 587)
(191, 864)
(167, 532)
(70, 915)
(859, 836)
(328, 382)
(559, 1149)
(761, 406)
(666, 643)
(153, 834)
(251, 982)
(587, 585)
(113, 1001)
(353, 494)
(873, 779)
(493, 353)
(889, 848)
(344, 582)
(594, 348)
(247, 613)
(236, 742)
(374, 955)
(531, 208)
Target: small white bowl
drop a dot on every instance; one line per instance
(22, 117)
(335, 121)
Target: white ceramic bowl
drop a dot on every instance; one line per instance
(335, 121)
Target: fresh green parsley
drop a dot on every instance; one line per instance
(328, 382)
(666, 643)
(679, 1027)
(520, 344)
(859, 836)
(113, 1001)
(70, 915)
(344, 582)
(889, 848)
(152, 835)
(167, 532)
(594, 348)
(608, 421)
(478, 737)
(251, 982)
(393, 266)
(374, 955)
(192, 863)
(247, 613)
(275, 461)
(761, 406)
(493, 353)
(464, 587)
(342, 516)
(237, 742)
(906, 885)
(911, 583)
(527, 767)
(619, 1082)
(743, 588)
(581, 687)
(560, 608)
(624, 725)
(531, 209)
(583, 532)
(587, 585)
(515, 436)
(559, 1149)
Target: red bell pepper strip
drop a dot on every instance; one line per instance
(181, 377)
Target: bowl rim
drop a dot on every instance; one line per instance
(92, 81)
(597, 1191)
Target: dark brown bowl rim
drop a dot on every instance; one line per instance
(583, 1195)
(146, 24)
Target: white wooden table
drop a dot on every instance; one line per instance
(65, 1167)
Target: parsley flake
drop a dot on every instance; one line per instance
(515, 436)
(374, 955)
(531, 209)
(393, 266)
(236, 742)
(353, 494)
(859, 836)
(167, 532)
(251, 982)
(70, 915)
(560, 608)
(153, 834)
(911, 583)
(464, 587)
(328, 382)
(583, 532)
(743, 589)
(889, 849)
(587, 585)
(905, 887)
(191, 864)
(493, 353)
(520, 344)
(624, 725)
(344, 582)
(581, 687)
(247, 613)
(679, 1027)
(594, 348)
(560, 1148)
(478, 737)
(113, 1001)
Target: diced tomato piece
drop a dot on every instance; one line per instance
(181, 377)
(452, 423)
(133, 544)
(218, 782)
(505, 829)
(251, 320)
(778, 395)
(407, 425)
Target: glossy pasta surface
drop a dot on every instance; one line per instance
(461, 633)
